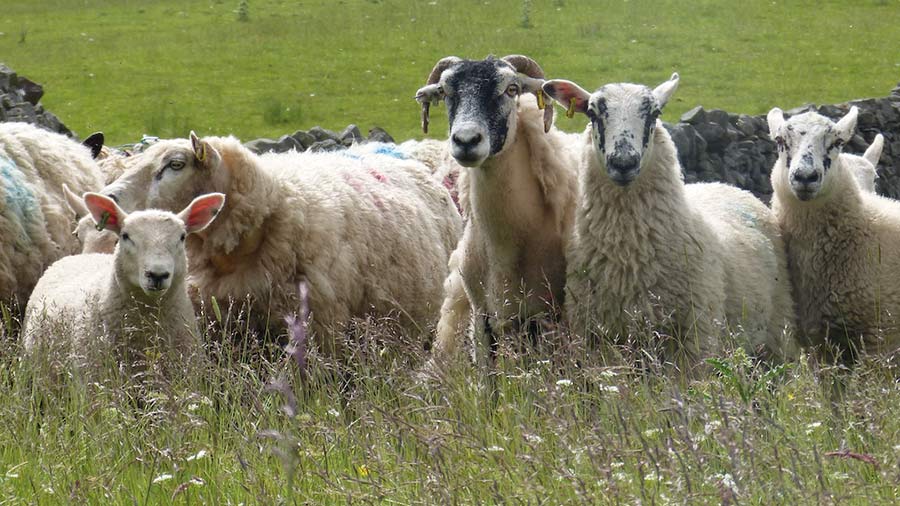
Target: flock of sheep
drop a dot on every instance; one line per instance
(590, 230)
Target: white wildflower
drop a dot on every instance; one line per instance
(610, 388)
(564, 383)
(163, 477)
(199, 455)
(649, 433)
(494, 449)
(711, 427)
(333, 412)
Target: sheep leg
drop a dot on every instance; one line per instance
(456, 313)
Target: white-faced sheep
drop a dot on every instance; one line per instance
(685, 258)
(35, 225)
(129, 301)
(517, 192)
(370, 233)
(864, 167)
(843, 244)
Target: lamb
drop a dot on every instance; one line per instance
(370, 233)
(34, 222)
(843, 244)
(517, 192)
(129, 301)
(863, 167)
(685, 258)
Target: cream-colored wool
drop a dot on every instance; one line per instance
(864, 167)
(112, 301)
(519, 207)
(370, 233)
(843, 244)
(690, 260)
(35, 222)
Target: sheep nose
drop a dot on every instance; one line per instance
(623, 162)
(467, 139)
(806, 178)
(157, 278)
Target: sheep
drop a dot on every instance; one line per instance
(34, 222)
(516, 190)
(128, 301)
(684, 258)
(370, 233)
(863, 167)
(843, 244)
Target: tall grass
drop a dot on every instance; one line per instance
(553, 423)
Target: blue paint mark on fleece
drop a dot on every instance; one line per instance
(18, 197)
(377, 148)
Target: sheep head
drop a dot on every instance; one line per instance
(809, 144)
(150, 256)
(481, 98)
(623, 119)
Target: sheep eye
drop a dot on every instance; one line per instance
(512, 90)
(183, 236)
(176, 165)
(780, 142)
(125, 236)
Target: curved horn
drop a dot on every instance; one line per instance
(430, 92)
(525, 65)
(529, 67)
(439, 68)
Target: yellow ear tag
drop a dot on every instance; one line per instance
(201, 154)
(540, 97)
(570, 112)
(103, 219)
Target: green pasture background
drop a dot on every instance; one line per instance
(164, 67)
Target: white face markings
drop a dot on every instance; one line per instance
(151, 251)
(623, 118)
(809, 144)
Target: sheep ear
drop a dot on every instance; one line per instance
(94, 142)
(775, 119)
(847, 125)
(202, 211)
(106, 214)
(75, 203)
(664, 91)
(206, 155)
(873, 153)
(568, 94)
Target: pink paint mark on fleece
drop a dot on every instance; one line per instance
(357, 185)
(381, 178)
(450, 184)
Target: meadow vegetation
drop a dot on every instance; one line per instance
(555, 422)
(131, 67)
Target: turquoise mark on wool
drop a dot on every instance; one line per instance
(390, 150)
(18, 197)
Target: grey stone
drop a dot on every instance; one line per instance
(746, 125)
(322, 134)
(715, 136)
(8, 78)
(694, 116)
(377, 134)
(718, 117)
(31, 91)
(350, 135)
(303, 138)
(260, 146)
(326, 145)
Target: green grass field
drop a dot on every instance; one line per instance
(164, 67)
(553, 425)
